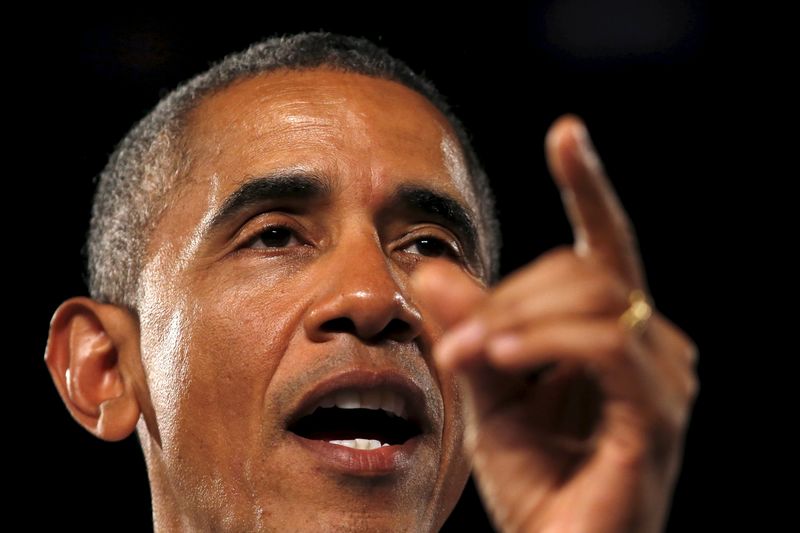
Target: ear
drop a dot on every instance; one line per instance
(92, 352)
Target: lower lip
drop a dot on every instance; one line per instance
(380, 461)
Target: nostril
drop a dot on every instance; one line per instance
(338, 325)
(397, 329)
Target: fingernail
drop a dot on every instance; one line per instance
(505, 345)
(465, 337)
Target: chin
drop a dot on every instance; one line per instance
(333, 487)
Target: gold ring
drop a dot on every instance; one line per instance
(635, 317)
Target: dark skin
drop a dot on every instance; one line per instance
(235, 322)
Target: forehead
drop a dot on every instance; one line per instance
(366, 137)
(348, 126)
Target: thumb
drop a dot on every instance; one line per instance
(446, 291)
(450, 297)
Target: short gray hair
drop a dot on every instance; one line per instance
(144, 164)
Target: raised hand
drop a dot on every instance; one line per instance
(576, 417)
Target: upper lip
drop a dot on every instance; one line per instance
(362, 379)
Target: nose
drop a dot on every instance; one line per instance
(360, 294)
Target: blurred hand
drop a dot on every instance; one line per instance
(575, 423)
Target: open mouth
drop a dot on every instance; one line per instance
(362, 419)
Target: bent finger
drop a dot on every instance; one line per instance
(599, 344)
(446, 292)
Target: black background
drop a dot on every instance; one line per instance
(650, 79)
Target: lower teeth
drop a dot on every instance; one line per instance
(360, 444)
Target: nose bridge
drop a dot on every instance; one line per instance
(360, 293)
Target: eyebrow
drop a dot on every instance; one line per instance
(306, 186)
(443, 208)
(281, 185)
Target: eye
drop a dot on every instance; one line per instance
(273, 237)
(431, 246)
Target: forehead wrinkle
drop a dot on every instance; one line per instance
(347, 111)
(286, 134)
(275, 95)
(291, 114)
(282, 127)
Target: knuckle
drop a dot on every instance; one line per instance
(599, 296)
(687, 387)
(561, 256)
(692, 352)
(693, 388)
(608, 293)
(686, 346)
(617, 345)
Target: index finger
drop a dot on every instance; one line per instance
(600, 225)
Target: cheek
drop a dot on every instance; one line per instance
(456, 464)
(455, 419)
(212, 368)
(239, 341)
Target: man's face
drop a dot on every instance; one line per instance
(277, 313)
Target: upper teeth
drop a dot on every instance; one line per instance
(387, 400)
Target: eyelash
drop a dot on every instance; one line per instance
(449, 249)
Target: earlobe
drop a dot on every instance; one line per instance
(92, 353)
